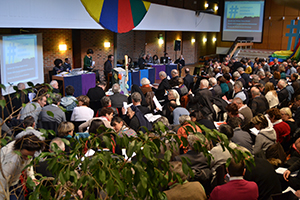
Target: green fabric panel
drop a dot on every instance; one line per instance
(138, 11)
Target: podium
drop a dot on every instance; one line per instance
(119, 76)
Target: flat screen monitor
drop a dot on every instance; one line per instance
(164, 60)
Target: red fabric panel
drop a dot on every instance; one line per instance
(125, 21)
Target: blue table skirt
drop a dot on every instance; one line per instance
(169, 68)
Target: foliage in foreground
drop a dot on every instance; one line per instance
(106, 175)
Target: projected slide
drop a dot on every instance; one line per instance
(21, 60)
(243, 19)
(19, 53)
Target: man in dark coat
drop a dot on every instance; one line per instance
(188, 79)
(95, 94)
(163, 86)
(259, 103)
(108, 66)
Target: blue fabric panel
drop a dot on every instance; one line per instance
(169, 68)
(129, 82)
(144, 74)
(135, 77)
(75, 81)
(109, 15)
(151, 75)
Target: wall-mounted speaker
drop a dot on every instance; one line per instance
(177, 45)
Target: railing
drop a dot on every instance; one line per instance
(240, 42)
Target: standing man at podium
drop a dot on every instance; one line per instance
(108, 66)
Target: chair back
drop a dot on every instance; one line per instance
(49, 126)
(76, 125)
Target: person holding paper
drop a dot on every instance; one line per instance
(266, 135)
(88, 61)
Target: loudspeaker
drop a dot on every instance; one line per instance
(177, 45)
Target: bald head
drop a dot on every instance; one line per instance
(255, 92)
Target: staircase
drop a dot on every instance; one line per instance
(253, 53)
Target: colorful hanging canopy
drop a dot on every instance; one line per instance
(119, 16)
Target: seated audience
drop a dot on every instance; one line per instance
(237, 187)
(117, 98)
(106, 103)
(54, 85)
(245, 111)
(136, 120)
(17, 99)
(96, 94)
(183, 88)
(177, 111)
(259, 103)
(33, 109)
(215, 89)
(266, 135)
(238, 91)
(264, 175)
(145, 86)
(106, 114)
(196, 116)
(82, 112)
(69, 101)
(187, 190)
(57, 115)
(286, 116)
(282, 129)
(221, 156)
(29, 125)
(181, 132)
(162, 87)
(136, 88)
(136, 99)
(271, 95)
(240, 137)
(121, 127)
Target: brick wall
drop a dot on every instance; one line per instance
(189, 49)
(94, 39)
(170, 38)
(152, 46)
(52, 38)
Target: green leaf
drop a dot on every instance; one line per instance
(110, 187)
(130, 149)
(168, 155)
(3, 142)
(146, 152)
(15, 88)
(102, 175)
(61, 178)
(3, 87)
(2, 103)
(24, 104)
(107, 141)
(50, 113)
(67, 142)
(30, 84)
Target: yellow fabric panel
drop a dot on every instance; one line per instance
(283, 52)
(94, 8)
(147, 5)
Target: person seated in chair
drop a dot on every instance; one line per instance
(82, 112)
(237, 187)
(56, 114)
(69, 101)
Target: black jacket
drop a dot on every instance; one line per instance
(188, 80)
(160, 91)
